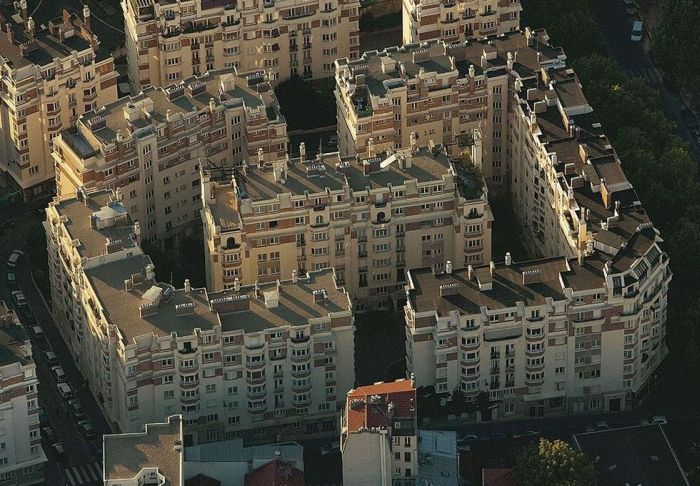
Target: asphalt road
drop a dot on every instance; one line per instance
(83, 461)
(633, 59)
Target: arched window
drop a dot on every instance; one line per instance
(231, 243)
(381, 216)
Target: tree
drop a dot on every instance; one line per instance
(554, 463)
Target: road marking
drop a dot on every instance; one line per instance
(70, 477)
(76, 473)
(92, 472)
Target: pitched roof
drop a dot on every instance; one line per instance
(364, 411)
(498, 476)
(275, 473)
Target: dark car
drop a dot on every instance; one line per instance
(86, 429)
(76, 408)
(59, 451)
(48, 434)
(51, 358)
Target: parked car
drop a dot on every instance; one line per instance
(14, 257)
(330, 448)
(48, 434)
(37, 333)
(631, 7)
(527, 433)
(65, 391)
(601, 425)
(58, 374)
(18, 298)
(59, 451)
(655, 420)
(50, 358)
(76, 408)
(637, 31)
(86, 429)
(11, 279)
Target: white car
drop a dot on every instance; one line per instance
(637, 30)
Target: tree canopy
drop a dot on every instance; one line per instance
(554, 463)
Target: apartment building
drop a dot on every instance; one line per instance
(167, 42)
(150, 146)
(83, 230)
(379, 435)
(582, 328)
(21, 456)
(51, 75)
(251, 362)
(458, 20)
(368, 218)
(439, 92)
(159, 455)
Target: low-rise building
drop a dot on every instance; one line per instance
(458, 20)
(150, 146)
(21, 456)
(161, 455)
(370, 219)
(379, 435)
(167, 42)
(51, 75)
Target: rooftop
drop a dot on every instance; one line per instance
(234, 451)
(640, 455)
(391, 68)
(275, 473)
(138, 114)
(125, 455)
(438, 462)
(328, 171)
(375, 406)
(98, 221)
(63, 35)
(138, 305)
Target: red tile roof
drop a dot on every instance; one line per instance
(275, 473)
(362, 413)
(497, 477)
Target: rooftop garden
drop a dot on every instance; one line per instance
(470, 180)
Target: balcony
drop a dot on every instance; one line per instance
(255, 365)
(302, 403)
(301, 373)
(254, 395)
(301, 358)
(301, 388)
(300, 339)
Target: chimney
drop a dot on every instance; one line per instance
(492, 267)
(295, 276)
(448, 267)
(279, 286)
(86, 16)
(257, 289)
(188, 287)
(30, 27)
(261, 158)
(414, 142)
(302, 152)
(370, 148)
(237, 285)
(509, 62)
(509, 260)
(472, 71)
(470, 271)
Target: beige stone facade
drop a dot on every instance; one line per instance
(369, 219)
(437, 92)
(458, 20)
(151, 146)
(171, 41)
(22, 459)
(580, 330)
(252, 362)
(51, 76)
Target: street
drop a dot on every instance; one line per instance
(616, 26)
(82, 464)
